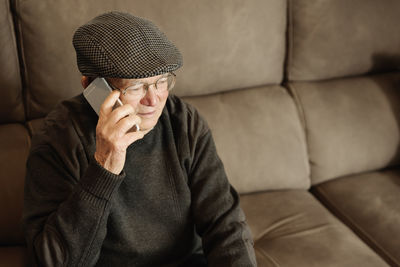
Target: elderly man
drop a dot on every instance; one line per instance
(98, 193)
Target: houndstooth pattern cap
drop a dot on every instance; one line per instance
(120, 45)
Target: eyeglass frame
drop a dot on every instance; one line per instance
(147, 85)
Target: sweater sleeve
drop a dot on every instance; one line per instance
(65, 219)
(219, 220)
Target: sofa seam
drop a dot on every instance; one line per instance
(291, 88)
(10, 20)
(289, 41)
(269, 257)
(20, 55)
(352, 225)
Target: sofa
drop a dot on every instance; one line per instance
(302, 97)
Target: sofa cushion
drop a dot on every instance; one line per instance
(11, 108)
(254, 34)
(340, 38)
(352, 125)
(370, 204)
(259, 138)
(13, 256)
(14, 148)
(291, 228)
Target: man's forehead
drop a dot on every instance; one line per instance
(124, 82)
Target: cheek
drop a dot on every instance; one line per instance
(163, 97)
(161, 103)
(134, 104)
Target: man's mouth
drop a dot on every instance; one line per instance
(146, 114)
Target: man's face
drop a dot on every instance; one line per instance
(150, 106)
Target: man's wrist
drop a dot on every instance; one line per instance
(107, 164)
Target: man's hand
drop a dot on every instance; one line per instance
(112, 133)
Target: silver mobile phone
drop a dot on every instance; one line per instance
(96, 92)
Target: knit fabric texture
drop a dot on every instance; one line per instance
(171, 206)
(120, 45)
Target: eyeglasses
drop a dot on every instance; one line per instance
(138, 90)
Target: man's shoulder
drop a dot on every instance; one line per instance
(185, 116)
(176, 106)
(64, 108)
(69, 119)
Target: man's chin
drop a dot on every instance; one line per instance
(147, 125)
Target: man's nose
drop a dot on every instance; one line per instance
(150, 98)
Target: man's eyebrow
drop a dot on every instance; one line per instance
(142, 79)
(135, 81)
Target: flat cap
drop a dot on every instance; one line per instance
(120, 45)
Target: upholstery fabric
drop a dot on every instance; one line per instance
(255, 33)
(13, 256)
(258, 136)
(14, 143)
(11, 105)
(369, 203)
(352, 125)
(291, 228)
(343, 122)
(341, 38)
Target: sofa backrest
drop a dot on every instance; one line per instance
(259, 138)
(257, 130)
(226, 47)
(46, 29)
(14, 138)
(11, 102)
(343, 69)
(341, 38)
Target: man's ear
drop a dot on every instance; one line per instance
(85, 81)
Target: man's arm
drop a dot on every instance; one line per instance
(65, 220)
(219, 220)
(66, 212)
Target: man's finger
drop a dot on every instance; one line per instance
(120, 113)
(131, 137)
(128, 122)
(108, 104)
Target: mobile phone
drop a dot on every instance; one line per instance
(96, 92)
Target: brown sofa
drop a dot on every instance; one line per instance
(302, 97)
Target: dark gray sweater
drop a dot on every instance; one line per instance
(171, 202)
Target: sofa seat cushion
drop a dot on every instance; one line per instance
(13, 256)
(14, 149)
(370, 204)
(291, 228)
